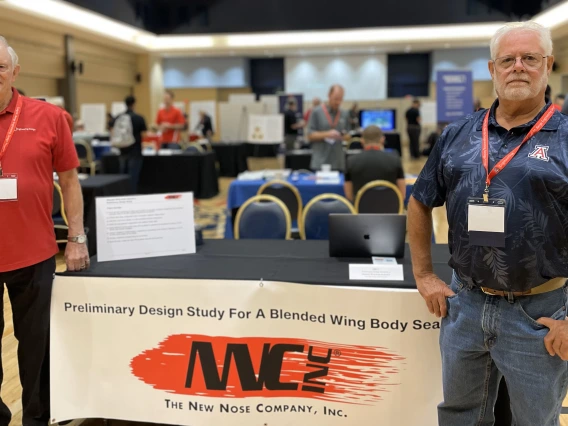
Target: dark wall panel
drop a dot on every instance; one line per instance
(408, 74)
(267, 75)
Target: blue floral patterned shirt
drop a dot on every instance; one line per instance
(534, 185)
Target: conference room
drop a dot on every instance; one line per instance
(252, 181)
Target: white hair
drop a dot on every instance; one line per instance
(543, 32)
(11, 51)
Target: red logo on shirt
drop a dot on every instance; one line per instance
(540, 153)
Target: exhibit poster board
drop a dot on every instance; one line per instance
(94, 117)
(266, 129)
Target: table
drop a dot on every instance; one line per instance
(100, 149)
(236, 276)
(100, 186)
(232, 158)
(186, 172)
(298, 159)
(294, 261)
(261, 149)
(242, 190)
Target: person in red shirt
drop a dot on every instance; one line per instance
(170, 120)
(315, 103)
(35, 141)
(559, 102)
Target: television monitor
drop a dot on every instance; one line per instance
(383, 118)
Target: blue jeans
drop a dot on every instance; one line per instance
(132, 165)
(486, 337)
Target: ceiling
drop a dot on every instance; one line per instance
(168, 17)
(63, 16)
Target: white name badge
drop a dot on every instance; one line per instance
(9, 187)
(486, 222)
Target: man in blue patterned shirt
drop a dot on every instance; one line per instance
(506, 196)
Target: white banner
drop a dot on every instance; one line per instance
(209, 353)
(94, 117)
(117, 108)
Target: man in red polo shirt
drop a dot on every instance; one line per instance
(34, 141)
(170, 120)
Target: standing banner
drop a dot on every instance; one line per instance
(214, 352)
(283, 101)
(454, 95)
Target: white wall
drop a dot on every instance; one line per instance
(363, 76)
(205, 72)
(474, 59)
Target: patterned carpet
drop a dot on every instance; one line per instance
(212, 213)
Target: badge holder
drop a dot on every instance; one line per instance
(8, 187)
(486, 222)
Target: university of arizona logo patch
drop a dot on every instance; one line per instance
(540, 153)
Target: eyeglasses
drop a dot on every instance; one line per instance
(531, 61)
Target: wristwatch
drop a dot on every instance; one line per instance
(79, 239)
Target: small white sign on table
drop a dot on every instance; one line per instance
(376, 272)
(143, 226)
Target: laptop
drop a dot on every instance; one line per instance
(366, 235)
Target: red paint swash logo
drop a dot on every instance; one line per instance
(268, 367)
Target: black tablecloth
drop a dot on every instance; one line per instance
(296, 261)
(301, 158)
(187, 172)
(232, 158)
(262, 150)
(100, 186)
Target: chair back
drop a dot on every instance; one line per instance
(315, 220)
(379, 196)
(355, 144)
(263, 217)
(58, 209)
(285, 192)
(84, 152)
(194, 148)
(171, 145)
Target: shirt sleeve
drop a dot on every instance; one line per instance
(143, 127)
(430, 187)
(64, 154)
(159, 117)
(180, 118)
(400, 172)
(348, 170)
(313, 125)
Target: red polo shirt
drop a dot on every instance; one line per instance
(42, 143)
(172, 116)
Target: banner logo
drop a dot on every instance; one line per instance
(268, 367)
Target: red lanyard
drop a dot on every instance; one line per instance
(336, 121)
(507, 159)
(11, 130)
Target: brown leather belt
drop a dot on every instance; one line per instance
(553, 284)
